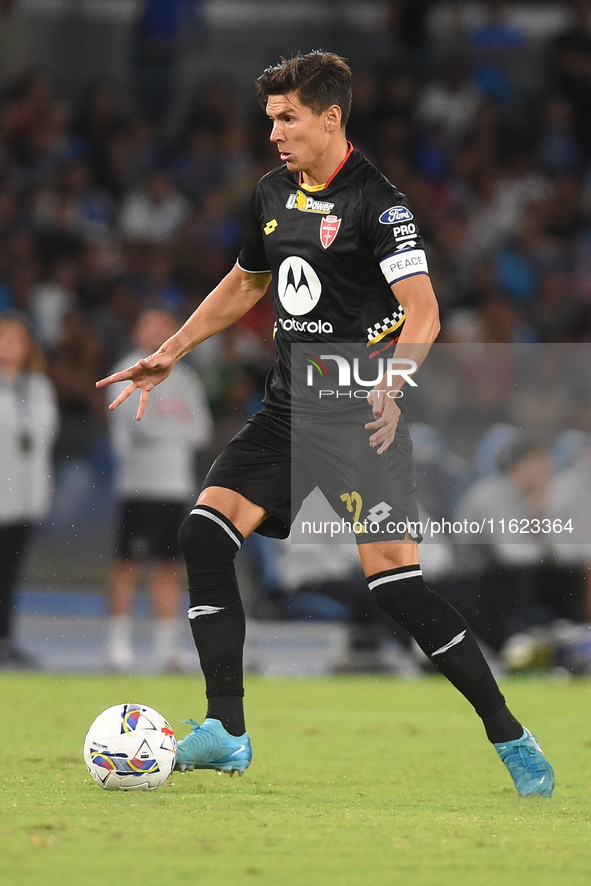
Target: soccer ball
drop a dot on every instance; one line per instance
(130, 747)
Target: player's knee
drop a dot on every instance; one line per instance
(209, 542)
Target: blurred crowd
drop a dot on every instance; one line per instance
(103, 212)
(100, 213)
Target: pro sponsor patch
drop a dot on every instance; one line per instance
(405, 236)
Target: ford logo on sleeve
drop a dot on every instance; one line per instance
(395, 214)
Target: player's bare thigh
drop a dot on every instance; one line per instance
(381, 556)
(240, 511)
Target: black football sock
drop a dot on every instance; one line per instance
(209, 542)
(502, 726)
(230, 710)
(446, 639)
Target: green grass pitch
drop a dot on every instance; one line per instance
(355, 782)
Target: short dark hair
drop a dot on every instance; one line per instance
(320, 79)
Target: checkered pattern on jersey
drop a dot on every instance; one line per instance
(379, 330)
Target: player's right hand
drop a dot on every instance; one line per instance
(143, 375)
(386, 413)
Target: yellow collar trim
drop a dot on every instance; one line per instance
(312, 188)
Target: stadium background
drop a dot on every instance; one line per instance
(476, 111)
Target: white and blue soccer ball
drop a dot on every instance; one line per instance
(130, 747)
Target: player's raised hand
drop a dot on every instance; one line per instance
(386, 413)
(143, 375)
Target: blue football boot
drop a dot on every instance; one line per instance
(210, 746)
(529, 768)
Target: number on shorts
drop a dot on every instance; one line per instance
(354, 505)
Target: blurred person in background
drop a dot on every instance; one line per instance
(569, 503)
(561, 640)
(570, 67)
(155, 480)
(449, 103)
(156, 40)
(441, 475)
(76, 356)
(155, 213)
(28, 425)
(499, 47)
(52, 300)
(16, 43)
(99, 123)
(513, 480)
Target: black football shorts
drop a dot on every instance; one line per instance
(148, 529)
(276, 461)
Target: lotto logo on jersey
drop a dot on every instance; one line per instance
(329, 228)
(301, 201)
(396, 214)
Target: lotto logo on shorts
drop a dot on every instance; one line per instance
(379, 512)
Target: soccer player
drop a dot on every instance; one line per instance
(348, 264)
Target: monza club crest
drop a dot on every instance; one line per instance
(329, 228)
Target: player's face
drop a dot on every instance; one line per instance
(301, 136)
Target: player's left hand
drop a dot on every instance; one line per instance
(386, 414)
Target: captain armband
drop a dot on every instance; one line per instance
(404, 264)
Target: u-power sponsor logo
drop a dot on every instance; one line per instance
(349, 375)
(304, 203)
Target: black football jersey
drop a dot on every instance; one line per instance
(333, 253)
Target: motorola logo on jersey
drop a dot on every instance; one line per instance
(298, 286)
(311, 326)
(301, 201)
(396, 214)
